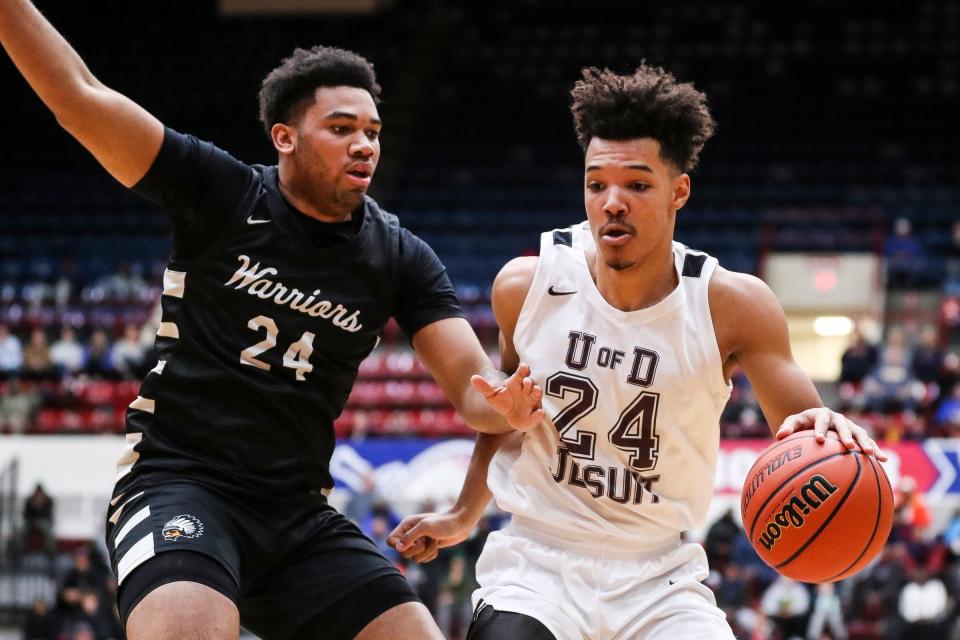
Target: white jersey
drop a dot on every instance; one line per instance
(633, 399)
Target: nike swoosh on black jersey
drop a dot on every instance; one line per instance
(252, 220)
(554, 292)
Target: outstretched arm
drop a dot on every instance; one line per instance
(751, 326)
(420, 536)
(122, 136)
(491, 402)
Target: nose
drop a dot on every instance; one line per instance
(615, 204)
(362, 147)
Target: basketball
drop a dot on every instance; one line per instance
(816, 512)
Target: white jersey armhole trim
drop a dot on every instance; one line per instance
(724, 386)
(537, 287)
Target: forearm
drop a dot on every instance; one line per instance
(47, 61)
(474, 495)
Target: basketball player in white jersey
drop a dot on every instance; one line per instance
(633, 338)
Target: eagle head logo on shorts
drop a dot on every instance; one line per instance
(183, 526)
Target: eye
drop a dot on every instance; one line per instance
(639, 186)
(594, 186)
(373, 134)
(340, 129)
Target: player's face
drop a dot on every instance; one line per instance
(338, 147)
(631, 196)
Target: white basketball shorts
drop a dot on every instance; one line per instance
(600, 592)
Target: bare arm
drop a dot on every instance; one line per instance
(422, 535)
(752, 331)
(122, 136)
(453, 355)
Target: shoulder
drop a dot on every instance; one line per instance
(743, 308)
(510, 290)
(515, 278)
(735, 289)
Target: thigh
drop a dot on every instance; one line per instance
(176, 610)
(330, 579)
(519, 575)
(183, 518)
(687, 610)
(490, 624)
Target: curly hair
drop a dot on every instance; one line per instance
(648, 103)
(289, 89)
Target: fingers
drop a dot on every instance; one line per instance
(792, 424)
(481, 385)
(429, 552)
(821, 425)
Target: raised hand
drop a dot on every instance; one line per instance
(516, 398)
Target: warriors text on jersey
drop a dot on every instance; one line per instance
(633, 400)
(266, 316)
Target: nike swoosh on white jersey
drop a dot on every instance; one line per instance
(251, 220)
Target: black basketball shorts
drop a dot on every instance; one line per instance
(290, 564)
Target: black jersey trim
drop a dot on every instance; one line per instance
(563, 236)
(693, 264)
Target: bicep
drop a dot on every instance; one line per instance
(123, 136)
(763, 352)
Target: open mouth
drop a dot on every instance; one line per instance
(359, 176)
(615, 236)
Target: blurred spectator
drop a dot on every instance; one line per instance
(17, 407)
(719, 540)
(858, 360)
(128, 353)
(910, 511)
(360, 504)
(11, 353)
(125, 284)
(948, 413)
(891, 387)
(924, 605)
(454, 609)
(378, 525)
(97, 357)
(40, 623)
(38, 522)
(37, 363)
(927, 358)
(827, 614)
(870, 619)
(67, 353)
(906, 258)
(786, 603)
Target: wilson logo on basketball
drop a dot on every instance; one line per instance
(812, 496)
(766, 470)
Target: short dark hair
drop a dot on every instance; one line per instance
(648, 103)
(289, 89)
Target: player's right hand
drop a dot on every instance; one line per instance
(517, 399)
(421, 536)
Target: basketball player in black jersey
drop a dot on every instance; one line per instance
(281, 281)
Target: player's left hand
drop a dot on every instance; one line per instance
(822, 420)
(517, 398)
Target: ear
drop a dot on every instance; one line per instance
(681, 191)
(284, 138)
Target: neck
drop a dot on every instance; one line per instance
(642, 285)
(293, 192)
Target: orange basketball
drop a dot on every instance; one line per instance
(816, 512)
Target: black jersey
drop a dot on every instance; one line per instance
(263, 330)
